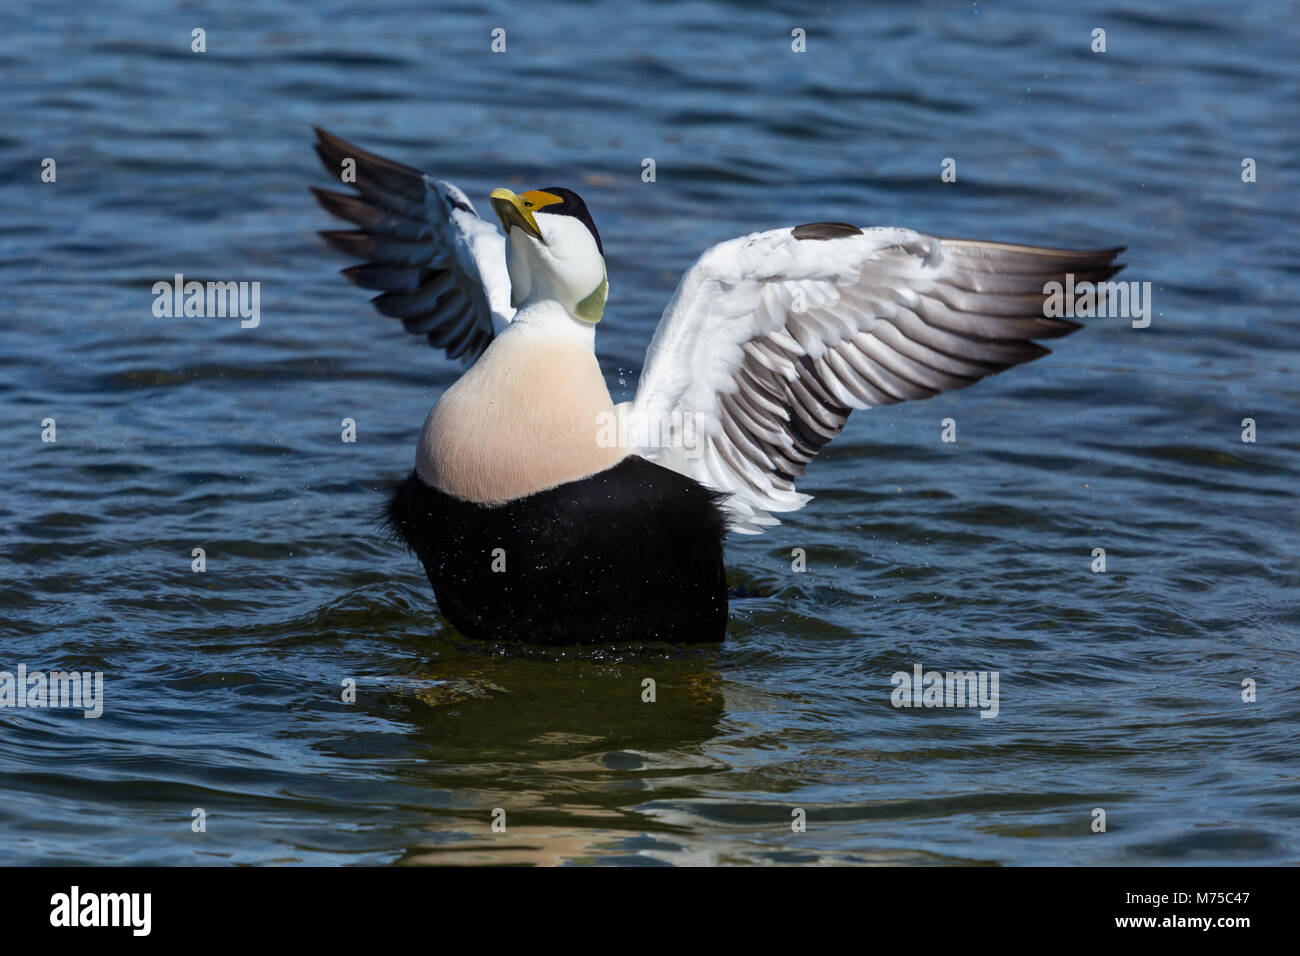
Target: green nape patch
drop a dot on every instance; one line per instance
(592, 307)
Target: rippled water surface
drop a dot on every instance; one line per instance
(1119, 690)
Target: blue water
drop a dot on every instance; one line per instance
(1119, 690)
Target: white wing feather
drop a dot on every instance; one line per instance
(773, 338)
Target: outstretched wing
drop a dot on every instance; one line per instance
(772, 339)
(438, 266)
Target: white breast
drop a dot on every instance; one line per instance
(533, 412)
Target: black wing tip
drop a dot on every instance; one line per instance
(347, 241)
(329, 197)
(331, 148)
(325, 138)
(327, 144)
(360, 276)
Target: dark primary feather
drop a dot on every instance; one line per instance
(403, 227)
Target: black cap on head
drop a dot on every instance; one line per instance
(575, 207)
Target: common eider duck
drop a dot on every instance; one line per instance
(544, 513)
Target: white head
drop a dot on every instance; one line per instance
(553, 251)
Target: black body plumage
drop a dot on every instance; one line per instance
(630, 554)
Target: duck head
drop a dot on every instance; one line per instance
(553, 251)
